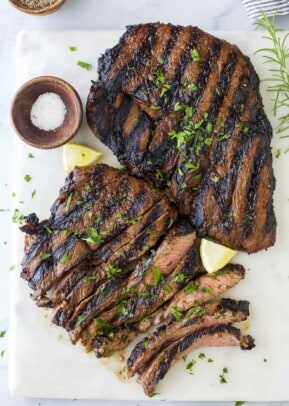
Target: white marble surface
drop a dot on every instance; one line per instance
(93, 15)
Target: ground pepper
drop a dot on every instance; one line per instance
(37, 4)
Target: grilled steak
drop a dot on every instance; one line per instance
(220, 335)
(98, 226)
(224, 311)
(182, 109)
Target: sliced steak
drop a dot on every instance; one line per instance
(205, 288)
(220, 335)
(182, 109)
(224, 311)
(197, 292)
(102, 214)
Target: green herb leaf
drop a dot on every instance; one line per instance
(202, 355)
(27, 178)
(239, 403)
(191, 288)
(93, 237)
(72, 49)
(101, 323)
(278, 77)
(47, 228)
(177, 313)
(65, 259)
(46, 255)
(195, 55)
(190, 365)
(158, 276)
(79, 320)
(68, 202)
(30, 155)
(2, 333)
(112, 271)
(84, 65)
(88, 278)
(222, 375)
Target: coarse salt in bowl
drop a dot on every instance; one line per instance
(46, 112)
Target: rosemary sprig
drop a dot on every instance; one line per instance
(278, 54)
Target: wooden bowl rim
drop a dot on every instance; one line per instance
(72, 93)
(39, 11)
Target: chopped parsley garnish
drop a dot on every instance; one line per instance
(167, 288)
(216, 179)
(191, 288)
(208, 290)
(2, 353)
(93, 237)
(2, 333)
(179, 278)
(190, 365)
(47, 228)
(72, 49)
(202, 355)
(84, 65)
(101, 323)
(178, 315)
(27, 178)
(12, 267)
(239, 402)
(113, 271)
(110, 353)
(278, 153)
(210, 360)
(79, 320)
(264, 360)
(30, 155)
(122, 309)
(155, 107)
(158, 276)
(68, 202)
(222, 375)
(192, 86)
(195, 55)
(46, 255)
(33, 193)
(88, 278)
(145, 343)
(65, 259)
(153, 394)
(17, 217)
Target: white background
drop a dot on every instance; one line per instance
(90, 15)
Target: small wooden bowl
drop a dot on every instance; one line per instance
(37, 11)
(24, 100)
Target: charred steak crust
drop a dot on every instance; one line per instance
(182, 109)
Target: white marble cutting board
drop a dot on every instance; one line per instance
(43, 362)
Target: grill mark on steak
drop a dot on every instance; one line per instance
(222, 335)
(224, 311)
(81, 291)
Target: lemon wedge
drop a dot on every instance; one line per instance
(215, 256)
(78, 155)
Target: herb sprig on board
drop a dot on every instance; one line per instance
(278, 54)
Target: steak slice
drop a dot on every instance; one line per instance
(220, 335)
(182, 109)
(205, 288)
(223, 311)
